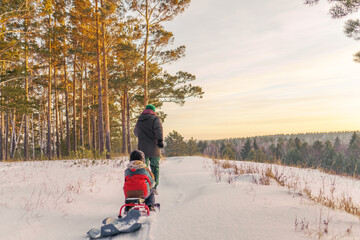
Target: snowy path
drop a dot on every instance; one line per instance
(195, 206)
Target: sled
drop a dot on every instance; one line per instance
(137, 204)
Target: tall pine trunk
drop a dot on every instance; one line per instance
(49, 99)
(128, 120)
(13, 135)
(26, 127)
(33, 136)
(81, 124)
(67, 109)
(7, 135)
(146, 100)
(1, 137)
(123, 122)
(61, 121)
(93, 119)
(58, 153)
(89, 127)
(53, 140)
(100, 107)
(74, 107)
(88, 99)
(106, 92)
(41, 135)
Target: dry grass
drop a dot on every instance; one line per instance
(319, 230)
(36, 188)
(292, 182)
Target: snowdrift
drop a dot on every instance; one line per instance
(48, 200)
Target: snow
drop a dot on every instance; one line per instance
(47, 200)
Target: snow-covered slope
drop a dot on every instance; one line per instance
(64, 199)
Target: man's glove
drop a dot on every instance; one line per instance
(160, 144)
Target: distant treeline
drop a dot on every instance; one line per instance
(336, 152)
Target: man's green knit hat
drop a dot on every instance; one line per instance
(151, 107)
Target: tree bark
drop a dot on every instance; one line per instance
(53, 140)
(74, 107)
(49, 99)
(61, 122)
(93, 118)
(57, 116)
(26, 127)
(106, 92)
(128, 120)
(89, 116)
(1, 137)
(89, 127)
(81, 127)
(41, 135)
(12, 138)
(67, 109)
(100, 107)
(146, 100)
(33, 136)
(7, 135)
(123, 122)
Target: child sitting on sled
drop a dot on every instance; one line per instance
(139, 180)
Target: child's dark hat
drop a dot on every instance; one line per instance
(137, 155)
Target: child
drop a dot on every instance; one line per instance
(139, 180)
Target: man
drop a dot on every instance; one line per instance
(149, 132)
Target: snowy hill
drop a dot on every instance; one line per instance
(199, 200)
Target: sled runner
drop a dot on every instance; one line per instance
(138, 204)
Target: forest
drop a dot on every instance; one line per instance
(76, 74)
(334, 152)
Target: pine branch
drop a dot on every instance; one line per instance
(9, 48)
(14, 31)
(153, 9)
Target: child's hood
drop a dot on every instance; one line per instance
(136, 164)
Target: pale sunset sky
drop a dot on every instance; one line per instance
(266, 67)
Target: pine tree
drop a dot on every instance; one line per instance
(192, 147)
(337, 144)
(317, 153)
(202, 146)
(353, 139)
(328, 156)
(227, 151)
(174, 144)
(246, 149)
(293, 157)
(255, 145)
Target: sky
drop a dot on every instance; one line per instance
(266, 67)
